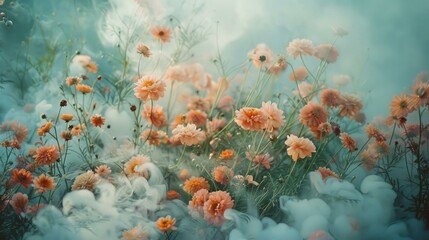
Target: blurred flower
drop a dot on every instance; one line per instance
(154, 137)
(77, 130)
(194, 184)
(45, 128)
(135, 233)
(339, 31)
(275, 116)
(171, 195)
(196, 205)
(222, 174)
(19, 131)
(166, 224)
(326, 172)
(97, 120)
(400, 106)
(342, 80)
(103, 170)
(350, 105)
(85, 62)
(218, 202)
(305, 90)
(21, 176)
(378, 148)
(196, 117)
(373, 132)
(323, 130)
(299, 147)
(215, 125)
(73, 80)
(83, 88)
(261, 56)
(143, 49)
(326, 52)
(66, 117)
(298, 74)
(252, 119)
(198, 103)
(87, 180)
(320, 235)
(249, 180)
(163, 34)
(279, 66)
(348, 142)
(44, 183)
(262, 159)
(178, 120)
(360, 117)
(149, 88)
(188, 135)
(19, 202)
(138, 160)
(225, 103)
(312, 115)
(227, 154)
(154, 115)
(300, 47)
(177, 73)
(46, 155)
(184, 174)
(420, 94)
(330, 97)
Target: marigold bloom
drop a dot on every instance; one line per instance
(86, 180)
(44, 183)
(298, 74)
(312, 115)
(66, 117)
(350, 105)
(275, 116)
(188, 135)
(163, 34)
(300, 47)
(46, 155)
(261, 56)
(171, 195)
(400, 106)
(166, 224)
(326, 52)
(19, 202)
(227, 154)
(138, 160)
(154, 137)
(149, 88)
(214, 208)
(262, 159)
(326, 172)
(252, 119)
(21, 176)
(97, 120)
(193, 184)
(45, 128)
(19, 131)
(299, 147)
(143, 49)
(222, 174)
(154, 115)
(196, 117)
(83, 88)
(330, 97)
(348, 142)
(135, 233)
(73, 80)
(373, 132)
(196, 205)
(103, 170)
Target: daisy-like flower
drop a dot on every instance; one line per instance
(400, 106)
(222, 174)
(275, 116)
(194, 184)
(420, 94)
(300, 47)
(46, 155)
(21, 176)
(45, 128)
(97, 120)
(326, 172)
(330, 97)
(83, 88)
(261, 56)
(299, 147)
(149, 88)
(66, 117)
(348, 142)
(326, 52)
(350, 105)
(252, 119)
(143, 49)
(138, 160)
(378, 148)
(227, 154)
(73, 80)
(312, 115)
(196, 205)
(103, 170)
(163, 34)
(216, 205)
(86, 180)
(298, 74)
(165, 224)
(262, 159)
(135, 233)
(19, 202)
(188, 135)
(44, 183)
(196, 117)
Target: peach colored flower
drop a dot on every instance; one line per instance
(83, 88)
(165, 224)
(143, 49)
(262, 159)
(378, 148)
(420, 94)
(222, 174)
(154, 115)
(323, 130)
(194, 184)
(261, 56)
(199, 103)
(227, 154)
(177, 73)
(339, 31)
(154, 137)
(218, 202)
(373, 132)
(298, 74)
(275, 116)
(45, 128)
(46, 155)
(326, 52)
(196, 205)
(330, 97)
(19, 202)
(326, 172)
(252, 119)
(77, 130)
(103, 170)
(66, 117)
(184, 175)
(279, 66)
(19, 131)
(149, 88)
(188, 135)
(87, 180)
(97, 120)
(305, 90)
(21, 176)
(299, 147)
(44, 183)
(369, 159)
(171, 195)
(196, 117)
(138, 160)
(341, 80)
(360, 117)
(300, 47)
(196, 74)
(163, 34)
(312, 115)
(216, 125)
(348, 142)
(225, 103)
(320, 235)
(73, 80)
(178, 120)
(350, 105)
(135, 233)
(400, 106)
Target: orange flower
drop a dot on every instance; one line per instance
(86, 180)
(348, 142)
(188, 135)
(45, 128)
(19, 202)
(77, 130)
(420, 94)
(184, 175)
(22, 177)
(279, 66)
(178, 120)
(73, 80)
(323, 130)
(163, 34)
(97, 120)
(165, 224)
(400, 106)
(18, 130)
(227, 154)
(252, 119)
(138, 160)
(263, 159)
(66, 117)
(66, 135)
(171, 195)
(330, 97)
(326, 172)
(143, 49)
(44, 183)
(261, 56)
(326, 52)
(196, 205)
(103, 170)
(373, 132)
(91, 67)
(154, 115)
(196, 117)
(349, 105)
(298, 74)
(312, 115)
(83, 88)
(46, 155)
(154, 137)
(135, 233)
(215, 206)
(299, 147)
(149, 88)
(222, 174)
(275, 116)
(193, 184)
